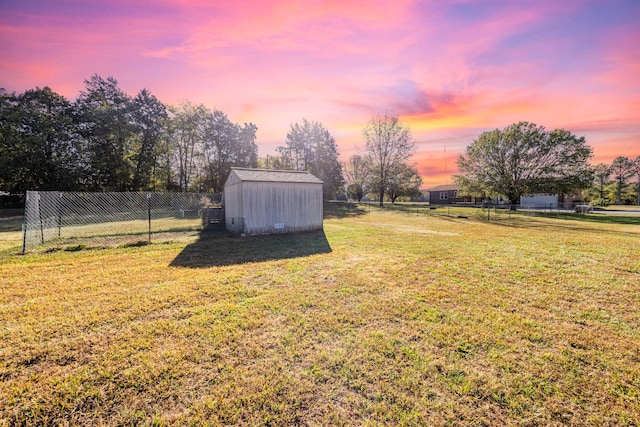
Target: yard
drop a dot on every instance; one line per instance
(395, 316)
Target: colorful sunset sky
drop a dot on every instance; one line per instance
(449, 69)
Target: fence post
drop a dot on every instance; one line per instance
(24, 237)
(149, 213)
(40, 218)
(60, 215)
(24, 223)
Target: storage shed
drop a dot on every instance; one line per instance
(260, 201)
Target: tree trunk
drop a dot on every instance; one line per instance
(619, 191)
(381, 197)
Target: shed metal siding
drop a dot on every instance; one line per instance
(266, 202)
(278, 207)
(233, 207)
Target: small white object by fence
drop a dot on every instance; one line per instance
(583, 209)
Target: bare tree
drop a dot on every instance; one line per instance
(388, 145)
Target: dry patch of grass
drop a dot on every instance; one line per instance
(621, 208)
(407, 319)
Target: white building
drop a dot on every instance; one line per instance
(259, 201)
(550, 201)
(539, 201)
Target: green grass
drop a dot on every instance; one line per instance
(10, 231)
(108, 234)
(390, 316)
(621, 208)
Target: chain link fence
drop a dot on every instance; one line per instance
(482, 211)
(108, 219)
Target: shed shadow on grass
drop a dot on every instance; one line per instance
(217, 248)
(339, 209)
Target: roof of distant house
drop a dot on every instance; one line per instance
(270, 175)
(445, 187)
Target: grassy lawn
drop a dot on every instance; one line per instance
(397, 316)
(622, 208)
(10, 231)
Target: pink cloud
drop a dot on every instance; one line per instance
(450, 69)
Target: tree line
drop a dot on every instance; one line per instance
(525, 158)
(107, 140)
(381, 171)
(613, 182)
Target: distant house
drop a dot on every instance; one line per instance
(261, 201)
(449, 194)
(550, 201)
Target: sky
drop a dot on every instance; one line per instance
(449, 69)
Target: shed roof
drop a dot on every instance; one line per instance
(269, 175)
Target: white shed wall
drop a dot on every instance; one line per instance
(539, 201)
(281, 207)
(233, 216)
(256, 204)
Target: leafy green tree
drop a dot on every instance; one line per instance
(622, 168)
(388, 146)
(187, 128)
(636, 170)
(7, 131)
(524, 158)
(227, 145)
(149, 119)
(246, 148)
(164, 173)
(38, 142)
(310, 147)
(106, 124)
(206, 144)
(404, 181)
(272, 162)
(12, 151)
(299, 152)
(357, 171)
(601, 174)
(108, 141)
